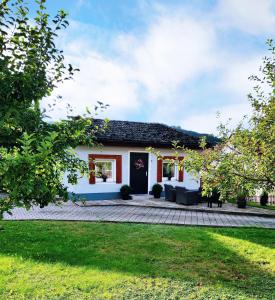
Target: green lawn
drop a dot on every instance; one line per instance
(258, 205)
(78, 260)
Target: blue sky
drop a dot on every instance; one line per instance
(174, 62)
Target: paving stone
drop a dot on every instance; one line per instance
(136, 214)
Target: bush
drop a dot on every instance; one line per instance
(125, 192)
(157, 190)
(241, 200)
(264, 198)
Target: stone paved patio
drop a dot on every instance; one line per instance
(149, 201)
(138, 214)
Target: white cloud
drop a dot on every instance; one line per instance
(100, 79)
(175, 49)
(236, 73)
(172, 51)
(150, 71)
(252, 16)
(207, 122)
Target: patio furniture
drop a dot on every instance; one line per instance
(215, 198)
(170, 193)
(187, 197)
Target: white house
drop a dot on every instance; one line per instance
(123, 159)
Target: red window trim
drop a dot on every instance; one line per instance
(159, 168)
(117, 158)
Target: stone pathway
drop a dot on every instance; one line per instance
(137, 214)
(149, 201)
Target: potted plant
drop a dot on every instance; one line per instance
(264, 198)
(104, 177)
(241, 199)
(169, 175)
(125, 192)
(157, 190)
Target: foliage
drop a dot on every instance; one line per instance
(244, 158)
(157, 190)
(264, 198)
(125, 191)
(35, 154)
(83, 260)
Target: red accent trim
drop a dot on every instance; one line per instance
(181, 175)
(92, 174)
(118, 160)
(118, 169)
(159, 169)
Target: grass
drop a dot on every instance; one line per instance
(78, 260)
(258, 205)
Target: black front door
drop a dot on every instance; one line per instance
(139, 172)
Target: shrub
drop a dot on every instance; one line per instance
(125, 192)
(264, 198)
(157, 190)
(241, 199)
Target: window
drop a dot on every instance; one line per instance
(105, 170)
(114, 173)
(169, 171)
(164, 168)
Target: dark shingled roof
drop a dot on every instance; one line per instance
(127, 133)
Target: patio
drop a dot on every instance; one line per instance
(131, 213)
(149, 201)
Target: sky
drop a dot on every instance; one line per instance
(170, 61)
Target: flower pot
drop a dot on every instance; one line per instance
(157, 195)
(126, 197)
(264, 199)
(241, 203)
(104, 179)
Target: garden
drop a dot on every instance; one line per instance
(78, 260)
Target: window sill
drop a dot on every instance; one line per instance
(166, 180)
(101, 182)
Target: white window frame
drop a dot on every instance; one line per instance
(176, 172)
(109, 180)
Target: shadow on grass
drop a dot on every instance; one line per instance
(182, 253)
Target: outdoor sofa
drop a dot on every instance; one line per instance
(187, 197)
(170, 193)
(181, 195)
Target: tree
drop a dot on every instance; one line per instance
(244, 160)
(35, 154)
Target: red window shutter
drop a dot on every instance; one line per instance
(91, 169)
(118, 160)
(159, 170)
(118, 169)
(181, 173)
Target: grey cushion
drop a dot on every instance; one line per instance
(170, 193)
(187, 197)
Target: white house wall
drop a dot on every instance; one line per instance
(109, 190)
